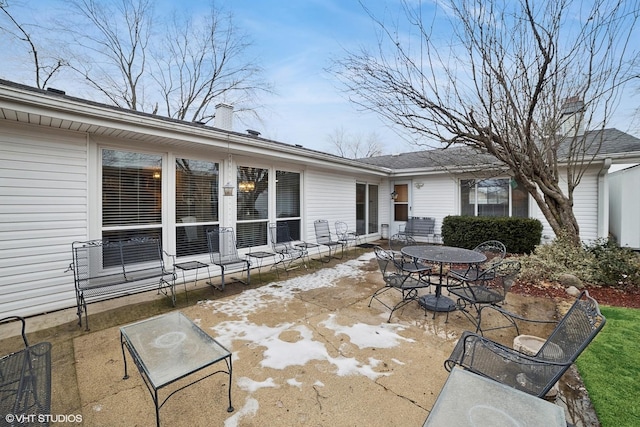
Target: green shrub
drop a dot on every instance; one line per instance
(601, 263)
(614, 265)
(519, 235)
(550, 261)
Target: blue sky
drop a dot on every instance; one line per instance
(295, 41)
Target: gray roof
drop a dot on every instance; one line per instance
(615, 144)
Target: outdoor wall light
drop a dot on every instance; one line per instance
(228, 189)
(394, 195)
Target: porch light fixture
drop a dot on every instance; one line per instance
(394, 195)
(228, 189)
(246, 186)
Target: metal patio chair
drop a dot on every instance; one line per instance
(489, 287)
(349, 237)
(494, 250)
(395, 278)
(224, 252)
(535, 374)
(283, 245)
(325, 238)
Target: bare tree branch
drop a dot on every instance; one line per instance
(355, 146)
(43, 70)
(505, 84)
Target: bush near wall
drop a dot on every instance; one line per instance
(519, 235)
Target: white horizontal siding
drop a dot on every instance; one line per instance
(436, 198)
(331, 197)
(585, 208)
(44, 209)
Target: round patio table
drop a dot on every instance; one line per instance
(442, 255)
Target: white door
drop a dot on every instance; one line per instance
(401, 206)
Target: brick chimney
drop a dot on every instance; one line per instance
(223, 118)
(572, 123)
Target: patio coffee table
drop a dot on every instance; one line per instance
(441, 255)
(469, 399)
(169, 348)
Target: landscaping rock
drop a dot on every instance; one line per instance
(567, 280)
(573, 291)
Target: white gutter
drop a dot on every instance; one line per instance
(603, 199)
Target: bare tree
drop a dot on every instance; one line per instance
(354, 146)
(502, 84)
(203, 62)
(44, 68)
(176, 65)
(112, 43)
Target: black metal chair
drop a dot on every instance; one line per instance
(494, 250)
(224, 252)
(325, 238)
(488, 287)
(283, 245)
(25, 380)
(349, 237)
(535, 374)
(395, 278)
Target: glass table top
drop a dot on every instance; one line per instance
(468, 399)
(171, 346)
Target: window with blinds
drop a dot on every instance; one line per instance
(197, 204)
(493, 197)
(288, 201)
(131, 195)
(252, 207)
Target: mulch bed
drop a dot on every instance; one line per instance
(629, 297)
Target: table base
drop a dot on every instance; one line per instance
(436, 303)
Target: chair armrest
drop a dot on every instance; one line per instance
(533, 375)
(511, 318)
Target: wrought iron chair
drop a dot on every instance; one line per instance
(283, 245)
(489, 286)
(345, 235)
(224, 252)
(25, 379)
(495, 252)
(325, 238)
(397, 279)
(535, 374)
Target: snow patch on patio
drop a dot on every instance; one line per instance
(250, 408)
(375, 336)
(250, 385)
(252, 300)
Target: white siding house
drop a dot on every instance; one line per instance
(74, 170)
(63, 161)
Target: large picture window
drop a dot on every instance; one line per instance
(131, 195)
(197, 204)
(493, 197)
(288, 201)
(253, 206)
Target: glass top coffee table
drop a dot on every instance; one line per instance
(169, 348)
(468, 399)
